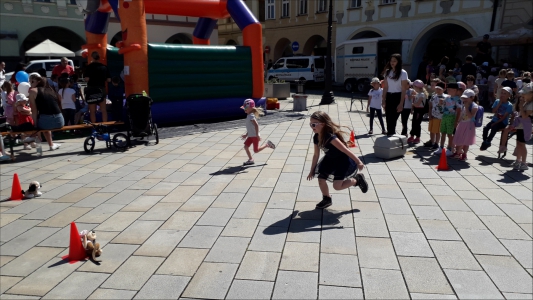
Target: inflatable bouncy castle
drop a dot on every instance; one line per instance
(186, 82)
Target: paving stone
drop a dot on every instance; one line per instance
(138, 232)
(46, 211)
(266, 239)
(518, 213)
(100, 213)
(276, 218)
(423, 275)
(161, 188)
(428, 213)
(183, 262)
(506, 273)
(383, 284)
(118, 186)
(246, 289)
(451, 203)
(181, 220)
(517, 296)
(70, 287)
(484, 208)
(5, 259)
(307, 231)
(521, 250)
(27, 240)
(339, 270)
(16, 228)
(404, 223)
(439, 230)
(504, 228)
(249, 210)
(143, 203)
(296, 285)
(419, 196)
(161, 243)
(482, 242)
(259, 266)
(228, 250)
(113, 255)
(198, 203)
(8, 218)
(216, 217)
(201, 237)
(338, 240)
(26, 207)
(125, 197)
(240, 227)
(472, 284)
(228, 200)
(81, 193)
(431, 296)
(465, 220)
(160, 212)
(217, 276)
(6, 282)
(411, 244)
(282, 201)
(300, 257)
(181, 194)
(119, 221)
(62, 190)
(94, 200)
(133, 274)
(338, 292)
(70, 214)
(376, 253)
(157, 287)
(519, 192)
(43, 279)
(30, 261)
(454, 255)
(395, 206)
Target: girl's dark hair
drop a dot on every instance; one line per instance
(444, 60)
(329, 127)
(476, 100)
(470, 78)
(7, 86)
(398, 70)
(40, 82)
(63, 82)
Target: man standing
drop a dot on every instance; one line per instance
(97, 76)
(468, 68)
(63, 67)
(483, 50)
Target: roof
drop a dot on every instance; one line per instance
(519, 34)
(49, 48)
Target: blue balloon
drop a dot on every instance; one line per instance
(22, 76)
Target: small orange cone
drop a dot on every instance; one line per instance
(351, 143)
(76, 252)
(443, 163)
(16, 189)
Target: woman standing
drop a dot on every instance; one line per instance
(394, 87)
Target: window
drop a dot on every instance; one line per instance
(285, 9)
(303, 7)
(72, 2)
(297, 63)
(357, 50)
(34, 68)
(388, 1)
(355, 3)
(270, 10)
(49, 66)
(322, 5)
(279, 64)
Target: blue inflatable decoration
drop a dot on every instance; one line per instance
(22, 77)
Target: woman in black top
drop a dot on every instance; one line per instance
(97, 76)
(45, 108)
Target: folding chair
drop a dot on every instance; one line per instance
(353, 99)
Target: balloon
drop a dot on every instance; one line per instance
(22, 76)
(24, 88)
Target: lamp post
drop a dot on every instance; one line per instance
(327, 97)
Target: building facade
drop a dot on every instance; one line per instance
(26, 23)
(431, 28)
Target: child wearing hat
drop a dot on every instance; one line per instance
(502, 109)
(465, 135)
(24, 120)
(252, 135)
(447, 126)
(436, 108)
(418, 111)
(374, 104)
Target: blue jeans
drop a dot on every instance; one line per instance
(50, 121)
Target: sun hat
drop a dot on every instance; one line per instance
(468, 93)
(461, 85)
(508, 90)
(418, 83)
(21, 97)
(248, 103)
(526, 88)
(375, 80)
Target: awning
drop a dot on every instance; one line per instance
(519, 34)
(49, 48)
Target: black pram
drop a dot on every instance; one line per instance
(140, 116)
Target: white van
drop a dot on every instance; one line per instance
(357, 61)
(47, 64)
(310, 68)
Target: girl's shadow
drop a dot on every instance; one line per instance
(315, 220)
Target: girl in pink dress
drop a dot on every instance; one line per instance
(465, 133)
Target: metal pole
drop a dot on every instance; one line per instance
(327, 97)
(494, 12)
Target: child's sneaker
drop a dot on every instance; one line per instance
(248, 162)
(514, 164)
(5, 157)
(55, 147)
(449, 152)
(416, 141)
(435, 146)
(517, 165)
(371, 131)
(463, 157)
(361, 182)
(27, 147)
(326, 202)
(456, 155)
(484, 146)
(428, 144)
(524, 167)
(271, 145)
(438, 152)
(410, 140)
(33, 145)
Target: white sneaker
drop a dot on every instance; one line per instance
(514, 164)
(271, 145)
(29, 140)
(438, 152)
(27, 147)
(33, 145)
(524, 167)
(449, 152)
(55, 147)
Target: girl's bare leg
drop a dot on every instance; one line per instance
(322, 184)
(343, 184)
(48, 136)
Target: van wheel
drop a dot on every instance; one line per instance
(349, 85)
(362, 85)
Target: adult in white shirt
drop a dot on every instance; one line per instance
(395, 86)
(67, 96)
(2, 73)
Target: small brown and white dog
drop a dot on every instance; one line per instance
(33, 190)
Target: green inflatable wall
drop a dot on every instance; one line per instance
(190, 72)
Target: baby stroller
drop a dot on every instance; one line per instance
(140, 116)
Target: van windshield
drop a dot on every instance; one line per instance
(297, 63)
(33, 68)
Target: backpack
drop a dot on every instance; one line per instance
(478, 121)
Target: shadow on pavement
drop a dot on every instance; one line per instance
(311, 220)
(235, 170)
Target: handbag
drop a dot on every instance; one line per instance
(93, 94)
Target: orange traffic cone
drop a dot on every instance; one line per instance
(16, 189)
(76, 252)
(443, 163)
(351, 143)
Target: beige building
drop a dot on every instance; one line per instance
(290, 27)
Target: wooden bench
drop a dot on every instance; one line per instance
(35, 132)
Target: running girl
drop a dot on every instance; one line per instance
(252, 135)
(339, 164)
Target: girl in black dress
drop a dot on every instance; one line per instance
(339, 165)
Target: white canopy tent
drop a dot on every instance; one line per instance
(49, 48)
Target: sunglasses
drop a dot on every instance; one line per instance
(313, 125)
